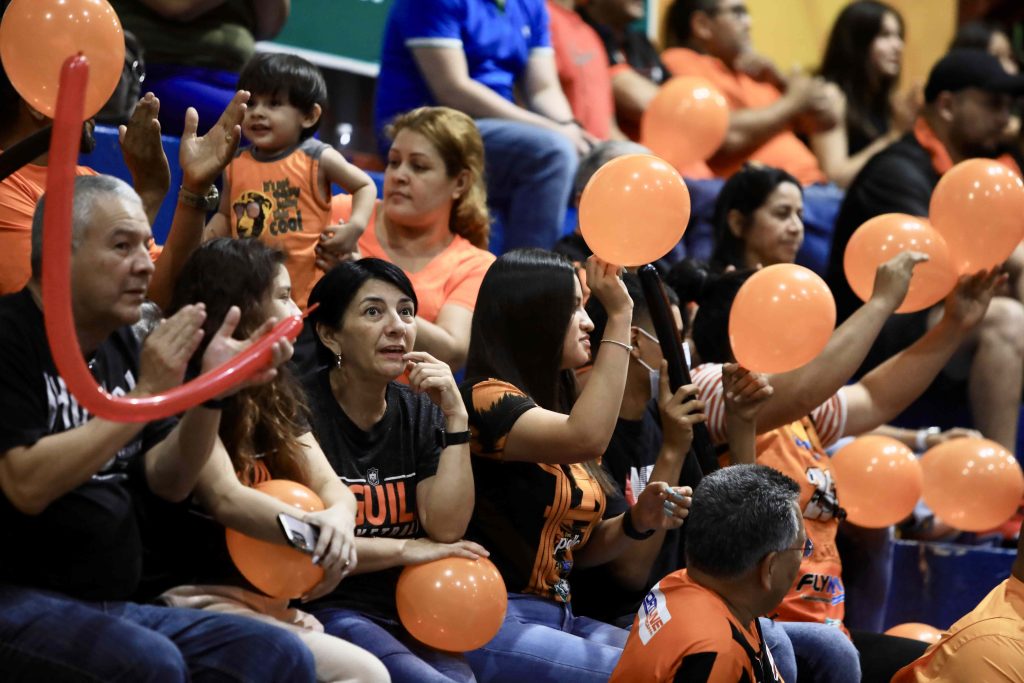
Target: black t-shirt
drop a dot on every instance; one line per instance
(86, 543)
(382, 468)
(530, 516)
(629, 460)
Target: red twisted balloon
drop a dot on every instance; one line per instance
(60, 323)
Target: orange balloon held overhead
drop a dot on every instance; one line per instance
(881, 238)
(278, 570)
(916, 631)
(634, 210)
(978, 207)
(686, 121)
(36, 36)
(781, 318)
(455, 604)
(878, 481)
(972, 484)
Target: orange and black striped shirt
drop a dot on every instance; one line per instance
(530, 516)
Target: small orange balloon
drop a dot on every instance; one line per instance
(36, 36)
(978, 207)
(972, 484)
(634, 210)
(278, 570)
(878, 481)
(686, 121)
(885, 236)
(916, 631)
(782, 318)
(455, 604)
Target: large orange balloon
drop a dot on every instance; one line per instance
(277, 570)
(878, 481)
(454, 604)
(634, 210)
(978, 207)
(916, 631)
(972, 484)
(686, 121)
(36, 36)
(881, 238)
(782, 318)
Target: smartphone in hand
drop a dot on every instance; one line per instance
(299, 534)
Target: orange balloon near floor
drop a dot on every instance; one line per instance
(885, 236)
(36, 36)
(978, 207)
(454, 604)
(781, 318)
(972, 484)
(634, 210)
(686, 121)
(916, 631)
(878, 481)
(278, 570)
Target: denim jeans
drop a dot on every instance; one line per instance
(867, 573)
(529, 172)
(48, 636)
(778, 642)
(407, 660)
(823, 653)
(542, 641)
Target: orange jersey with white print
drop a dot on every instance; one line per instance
(279, 202)
(685, 632)
(798, 451)
(986, 645)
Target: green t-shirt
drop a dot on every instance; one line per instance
(220, 39)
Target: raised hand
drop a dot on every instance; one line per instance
(661, 506)
(892, 278)
(605, 282)
(745, 392)
(967, 303)
(223, 347)
(679, 412)
(143, 151)
(204, 158)
(428, 374)
(168, 349)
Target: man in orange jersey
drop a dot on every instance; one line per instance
(744, 545)
(987, 644)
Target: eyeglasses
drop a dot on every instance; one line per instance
(807, 548)
(737, 11)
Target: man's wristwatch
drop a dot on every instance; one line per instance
(208, 202)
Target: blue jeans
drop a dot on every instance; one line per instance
(823, 653)
(778, 642)
(406, 659)
(529, 171)
(48, 636)
(542, 641)
(867, 573)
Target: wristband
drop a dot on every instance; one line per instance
(447, 439)
(630, 530)
(214, 403)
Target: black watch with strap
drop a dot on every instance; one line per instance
(447, 439)
(632, 531)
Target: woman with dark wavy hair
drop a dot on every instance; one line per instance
(263, 435)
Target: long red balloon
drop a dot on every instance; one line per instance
(60, 323)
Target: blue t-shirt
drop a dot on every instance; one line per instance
(497, 43)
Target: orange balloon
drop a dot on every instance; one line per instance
(634, 210)
(978, 207)
(36, 36)
(972, 484)
(454, 604)
(878, 481)
(278, 570)
(782, 318)
(686, 121)
(916, 631)
(884, 236)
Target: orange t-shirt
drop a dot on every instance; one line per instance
(685, 632)
(582, 69)
(451, 277)
(279, 201)
(987, 644)
(784, 150)
(19, 193)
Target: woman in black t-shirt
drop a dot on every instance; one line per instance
(539, 490)
(402, 449)
(262, 435)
